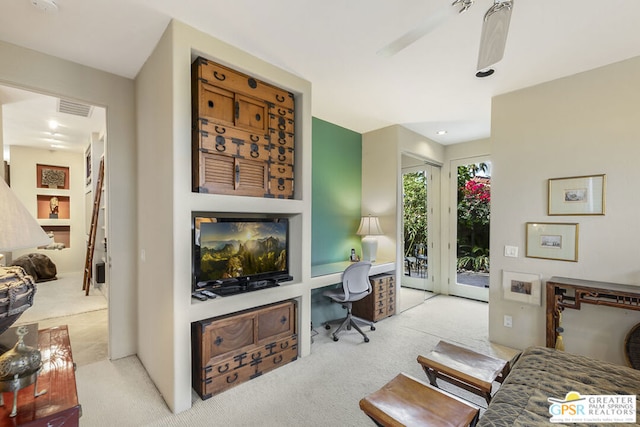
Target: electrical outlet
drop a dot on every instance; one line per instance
(511, 251)
(508, 321)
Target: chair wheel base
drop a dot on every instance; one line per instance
(327, 327)
(366, 339)
(373, 328)
(335, 338)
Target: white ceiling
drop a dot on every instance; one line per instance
(428, 86)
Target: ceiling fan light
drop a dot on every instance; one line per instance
(495, 27)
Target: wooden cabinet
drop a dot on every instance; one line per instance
(243, 134)
(59, 405)
(381, 302)
(233, 349)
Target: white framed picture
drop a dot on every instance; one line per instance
(522, 287)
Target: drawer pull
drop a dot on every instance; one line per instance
(282, 112)
(279, 98)
(258, 117)
(210, 104)
(257, 138)
(221, 130)
(232, 380)
(277, 359)
(283, 319)
(252, 83)
(257, 356)
(223, 369)
(281, 170)
(282, 141)
(237, 110)
(218, 341)
(284, 345)
(255, 151)
(237, 173)
(281, 135)
(220, 144)
(219, 76)
(282, 158)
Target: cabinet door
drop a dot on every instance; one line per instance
(223, 336)
(221, 174)
(251, 114)
(216, 104)
(276, 322)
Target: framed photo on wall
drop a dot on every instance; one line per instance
(521, 287)
(557, 241)
(577, 195)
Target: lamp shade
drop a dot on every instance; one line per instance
(18, 228)
(369, 226)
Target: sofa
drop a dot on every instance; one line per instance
(541, 373)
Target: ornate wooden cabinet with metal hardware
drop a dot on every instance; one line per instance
(381, 302)
(232, 349)
(243, 134)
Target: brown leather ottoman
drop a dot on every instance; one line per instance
(406, 401)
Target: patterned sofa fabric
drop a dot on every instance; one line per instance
(541, 373)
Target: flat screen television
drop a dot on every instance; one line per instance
(239, 250)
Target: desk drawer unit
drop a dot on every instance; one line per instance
(230, 350)
(381, 302)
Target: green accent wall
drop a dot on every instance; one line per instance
(336, 192)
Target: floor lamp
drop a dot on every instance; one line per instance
(369, 228)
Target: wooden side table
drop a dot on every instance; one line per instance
(59, 405)
(464, 368)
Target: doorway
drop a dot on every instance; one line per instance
(42, 132)
(470, 258)
(420, 184)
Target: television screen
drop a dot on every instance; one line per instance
(242, 249)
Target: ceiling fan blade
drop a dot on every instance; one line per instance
(428, 25)
(495, 27)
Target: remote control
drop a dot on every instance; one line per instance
(208, 293)
(199, 296)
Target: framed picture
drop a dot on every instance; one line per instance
(577, 195)
(522, 287)
(87, 168)
(552, 241)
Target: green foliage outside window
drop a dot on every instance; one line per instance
(474, 213)
(415, 211)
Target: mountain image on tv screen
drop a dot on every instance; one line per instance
(243, 248)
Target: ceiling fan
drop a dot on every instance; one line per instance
(495, 26)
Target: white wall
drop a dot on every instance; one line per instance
(166, 203)
(24, 162)
(31, 70)
(580, 125)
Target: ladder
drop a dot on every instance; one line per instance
(88, 262)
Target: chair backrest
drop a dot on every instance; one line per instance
(355, 280)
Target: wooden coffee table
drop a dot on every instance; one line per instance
(464, 368)
(406, 401)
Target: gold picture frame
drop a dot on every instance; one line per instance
(577, 195)
(522, 287)
(557, 241)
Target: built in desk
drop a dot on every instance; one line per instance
(59, 405)
(329, 274)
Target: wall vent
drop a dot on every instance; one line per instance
(77, 109)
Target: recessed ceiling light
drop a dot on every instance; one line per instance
(53, 124)
(442, 132)
(58, 146)
(49, 6)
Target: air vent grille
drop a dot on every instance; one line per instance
(77, 109)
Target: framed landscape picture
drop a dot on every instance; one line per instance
(557, 241)
(521, 287)
(577, 195)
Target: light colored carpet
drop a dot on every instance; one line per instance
(322, 389)
(62, 297)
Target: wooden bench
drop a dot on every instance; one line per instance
(406, 401)
(464, 368)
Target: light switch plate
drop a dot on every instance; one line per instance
(511, 251)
